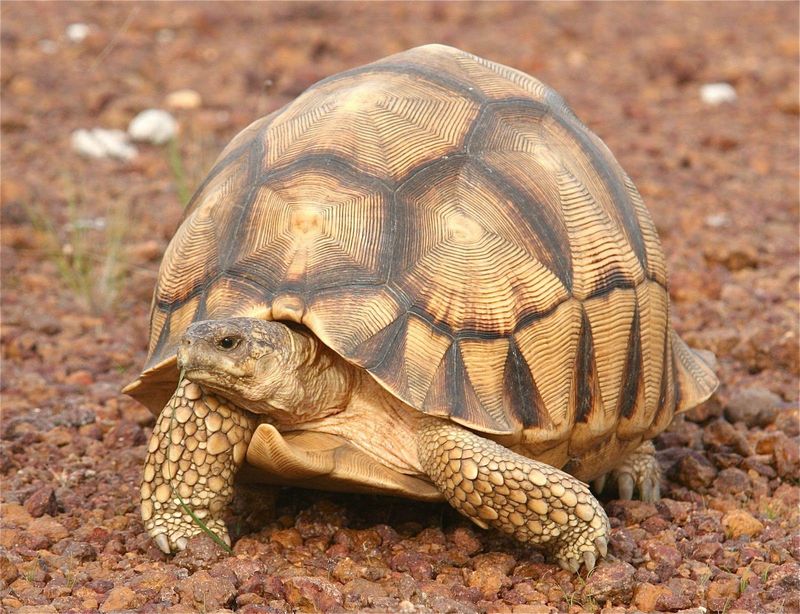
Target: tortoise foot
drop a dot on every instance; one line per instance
(639, 473)
(173, 534)
(198, 443)
(532, 501)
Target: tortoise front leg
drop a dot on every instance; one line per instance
(534, 502)
(198, 443)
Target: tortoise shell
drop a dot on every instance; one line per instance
(449, 225)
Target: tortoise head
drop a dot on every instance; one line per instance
(250, 361)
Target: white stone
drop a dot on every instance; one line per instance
(76, 32)
(84, 142)
(153, 126)
(184, 99)
(116, 143)
(717, 93)
(717, 220)
(102, 143)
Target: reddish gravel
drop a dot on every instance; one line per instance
(82, 238)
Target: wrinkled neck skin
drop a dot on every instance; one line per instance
(314, 384)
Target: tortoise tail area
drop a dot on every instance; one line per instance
(696, 381)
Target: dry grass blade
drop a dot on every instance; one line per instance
(217, 539)
(86, 251)
(178, 169)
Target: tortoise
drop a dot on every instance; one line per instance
(423, 277)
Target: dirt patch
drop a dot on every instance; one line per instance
(82, 238)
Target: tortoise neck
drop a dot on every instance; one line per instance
(319, 383)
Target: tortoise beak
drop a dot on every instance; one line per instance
(183, 355)
(190, 359)
(197, 354)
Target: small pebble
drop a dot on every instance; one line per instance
(81, 377)
(733, 481)
(717, 220)
(153, 126)
(200, 553)
(307, 593)
(717, 93)
(647, 595)
(76, 32)
(740, 522)
(682, 592)
(8, 571)
(48, 528)
(753, 406)
(184, 99)
(41, 502)
(102, 143)
(721, 436)
(120, 598)
(612, 580)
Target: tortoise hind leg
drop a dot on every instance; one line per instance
(640, 472)
(534, 502)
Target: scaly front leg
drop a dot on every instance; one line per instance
(198, 443)
(532, 501)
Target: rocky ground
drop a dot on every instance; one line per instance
(82, 238)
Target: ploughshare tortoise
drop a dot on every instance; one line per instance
(424, 277)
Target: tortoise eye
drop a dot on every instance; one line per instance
(228, 343)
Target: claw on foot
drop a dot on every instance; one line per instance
(162, 542)
(589, 560)
(625, 486)
(600, 483)
(638, 473)
(650, 490)
(601, 543)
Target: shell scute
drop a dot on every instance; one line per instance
(384, 123)
(312, 228)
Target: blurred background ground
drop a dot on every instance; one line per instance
(82, 239)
